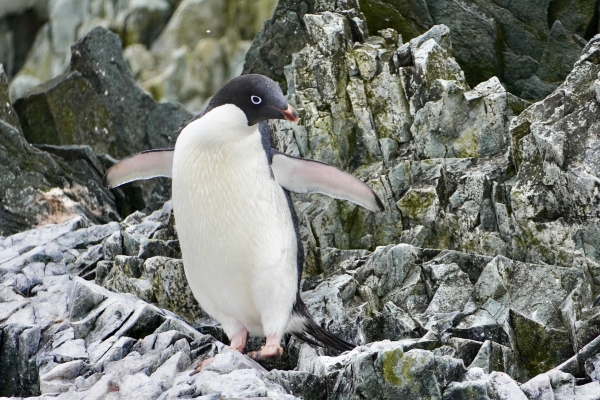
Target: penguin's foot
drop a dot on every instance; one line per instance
(267, 352)
(238, 341)
(200, 366)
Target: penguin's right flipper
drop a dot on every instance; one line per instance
(145, 165)
(302, 175)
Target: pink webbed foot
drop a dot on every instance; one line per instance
(238, 341)
(267, 352)
(270, 350)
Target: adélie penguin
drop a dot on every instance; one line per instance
(234, 217)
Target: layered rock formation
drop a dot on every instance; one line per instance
(480, 280)
(74, 120)
(529, 46)
(39, 187)
(178, 50)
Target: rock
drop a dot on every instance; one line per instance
(511, 38)
(419, 103)
(562, 51)
(38, 187)
(304, 384)
(138, 58)
(9, 7)
(478, 384)
(98, 104)
(143, 21)
(136, 22)
(84, 119)
(140, 385)
(199, 52)
(17, 33)
(70, 336)
(106, 108)
(196, 53)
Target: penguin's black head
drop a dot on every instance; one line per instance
(259, 97)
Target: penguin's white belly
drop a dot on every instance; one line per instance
(236, 233)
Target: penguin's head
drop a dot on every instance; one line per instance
(259, 97)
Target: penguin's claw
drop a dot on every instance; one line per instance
(200, 366)
(266, 353)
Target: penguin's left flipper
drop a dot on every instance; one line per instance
(144, 165)
(301, 175)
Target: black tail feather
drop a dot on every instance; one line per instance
(322, 336)
(306, 339)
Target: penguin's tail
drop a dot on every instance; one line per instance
(306, 325)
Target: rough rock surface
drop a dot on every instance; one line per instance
(202, 47)
(480, 280)
(99, 104)
(529, 46)
(178, 50)
(39, 187)
(63, 335)
(429, 324)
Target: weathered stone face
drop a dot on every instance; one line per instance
(483, 271)
(37, 187)
(529, 46)
(190, 48)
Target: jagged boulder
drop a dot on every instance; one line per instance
(188, 48)
(531, 47)
(99, 104)
(39, 187)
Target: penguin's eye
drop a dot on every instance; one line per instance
(256, 99)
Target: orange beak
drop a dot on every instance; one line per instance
(290, 114)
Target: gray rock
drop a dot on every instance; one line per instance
(510, 38)
(562, 51)
(106, 108)
(243, 383)
(303, 384)
(75, 113)
(140, 386)
(38, 187)
(538, 388)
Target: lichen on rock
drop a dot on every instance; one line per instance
(480, 280)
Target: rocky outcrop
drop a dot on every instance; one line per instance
(62, 334)
(99, 104)
(39, 187)
(74, 120)
(19, 24)
(530, 47)
(480, 280)
(178, 50)
(429, 323)
(448, 159)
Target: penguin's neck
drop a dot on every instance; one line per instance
(223, 126)
(220, 146)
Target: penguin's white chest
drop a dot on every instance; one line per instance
(234, 225)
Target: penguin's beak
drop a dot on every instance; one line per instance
(290, 114)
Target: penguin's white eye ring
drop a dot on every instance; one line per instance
(255, 99)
